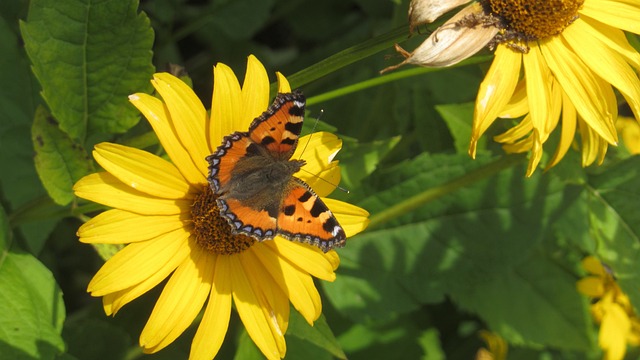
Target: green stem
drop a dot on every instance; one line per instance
(40, 208)
(431, 194)
(346, 57)
(398, 75)
(44, 208)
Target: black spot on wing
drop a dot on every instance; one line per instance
(294, 128)
(272, 209)
(289, 210)
(267, 140)
(296, 111)
(288, 141)
(318, 208)
(330, 225)
(306, 196)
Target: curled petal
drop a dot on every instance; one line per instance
(427, 11)
(450, 43)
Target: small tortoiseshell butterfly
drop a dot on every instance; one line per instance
(253, 175)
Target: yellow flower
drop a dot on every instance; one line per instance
(166, 213)
(629, 130)
(556, 61)
(497, 347)
(611, 309)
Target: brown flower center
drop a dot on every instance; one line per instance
(211, 230)
(535, 19)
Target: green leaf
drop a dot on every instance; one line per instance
(31, 308)
(484, 246)
(319, 334)
(5, 233)
(90, 338)
(60, 162)
(361, 159)
(613, 212)
(18, 100)
(459, 118)
(430, 343)
(247, 349)
(89, 55)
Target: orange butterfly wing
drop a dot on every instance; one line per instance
(304, 217)
(278, 128)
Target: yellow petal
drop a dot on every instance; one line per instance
(495, 91)
(323, 181)
(187, 115)
(255, 92)
(538, 81)
(136, 263)
(249, 308)
(105, 189)
(226, 105)
(581, 86)
(517, 132)
(352, 218)
(569, 120)
(271, 293)
(593, 266)
(283, 83)
(518, 104)
(630, 132)
(122, 227)
(320, 171)
(291, 280)
(181, 300)
(215, 320)
(622, 14)
(608, 64)
(536, 152)
(589, 143)
(614, 329)
(308, 258)
(614, 39)
(113, 302)
(153, 109)
(333, 258)
(142, 171)
(591, 286)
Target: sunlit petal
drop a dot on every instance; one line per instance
(155, 112)
(173, 314)
(122, 227)
(188, 116)
(495, 92)
(255, 92)
(226, 106)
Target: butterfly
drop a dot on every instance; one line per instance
(253, 175)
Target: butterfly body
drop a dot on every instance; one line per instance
(253, 175)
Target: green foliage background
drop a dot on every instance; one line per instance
(455, 246)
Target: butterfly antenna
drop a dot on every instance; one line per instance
(315, 124)
(345, 190)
